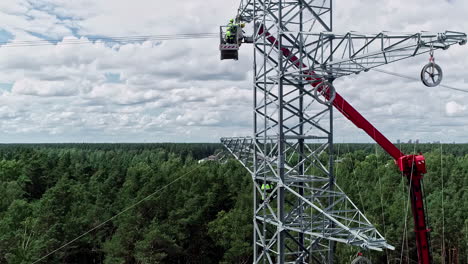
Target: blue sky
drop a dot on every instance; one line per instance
(6, 86)
(5, 36)
(179, 91)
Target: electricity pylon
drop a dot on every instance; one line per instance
(296, 59)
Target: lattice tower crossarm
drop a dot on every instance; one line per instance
(352, 52)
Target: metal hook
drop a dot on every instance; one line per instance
(431, 53)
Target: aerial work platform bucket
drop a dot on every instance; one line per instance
(229, 51)
(229, 47)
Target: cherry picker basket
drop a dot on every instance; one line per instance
(229, 47)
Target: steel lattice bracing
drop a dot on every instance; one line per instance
(351, 226)
(285, 119)
(292, 144)
(354, 52)
(291, 147)
(333, 55)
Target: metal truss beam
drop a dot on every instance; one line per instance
(309, 213)
(353, 52)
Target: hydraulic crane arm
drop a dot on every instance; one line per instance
(412, 166)
(358, 120)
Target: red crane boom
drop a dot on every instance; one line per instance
(412, 166)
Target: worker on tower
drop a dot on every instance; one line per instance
(266, 188)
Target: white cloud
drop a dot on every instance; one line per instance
(453, 108)
(42, 88)
(181, 91)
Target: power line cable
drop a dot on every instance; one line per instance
(92, 40)
(130, 39)
(416, 79)
(113, 217)
(381, 200)
(443, 209)
(407, 205)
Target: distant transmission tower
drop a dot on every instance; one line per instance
(299, 211)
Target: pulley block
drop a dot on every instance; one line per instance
(431, 74)
(325, 93)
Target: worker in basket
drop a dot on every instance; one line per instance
(230, 38)
(234, 33)
(231, 32)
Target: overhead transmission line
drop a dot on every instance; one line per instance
(94, 39)
(416, 79)
(131, 39)
(113, 217)
(406, 203)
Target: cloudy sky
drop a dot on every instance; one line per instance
(179, 90)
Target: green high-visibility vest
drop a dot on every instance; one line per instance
(266, 187)
(232, 27)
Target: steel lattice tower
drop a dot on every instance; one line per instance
(291, 148)
(293, 143)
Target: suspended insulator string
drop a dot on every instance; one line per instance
(92, 40)
(416, 79)
(113, 217)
